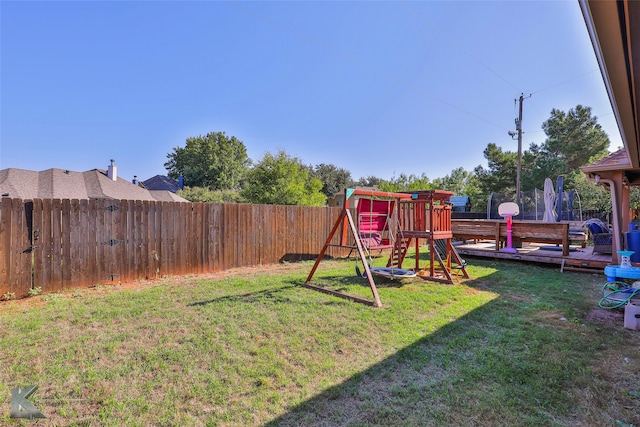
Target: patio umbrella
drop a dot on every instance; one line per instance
(549, 199)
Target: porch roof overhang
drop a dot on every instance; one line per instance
(614, 29)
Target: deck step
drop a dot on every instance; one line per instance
(582, 260)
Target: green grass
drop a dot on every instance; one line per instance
(517, 344)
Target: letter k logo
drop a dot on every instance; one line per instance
(20, 406)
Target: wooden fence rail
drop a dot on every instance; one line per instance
(62, 244)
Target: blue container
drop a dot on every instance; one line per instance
(634, 226)
(632, 239)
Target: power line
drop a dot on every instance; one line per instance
(564, 82)
(494, 72)
(469, 54)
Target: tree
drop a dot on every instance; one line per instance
(333, 178)
(463, 183)
(369, 181)
(574, 139)
(282, 180)
(200, 194)
(458, 181)
(405, 182)
(500, 177)
(214, 161)
(592, 196)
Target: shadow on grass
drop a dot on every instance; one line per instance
(479, 369)
(276, 295)
(344, 285)
(355, 280)
(273, 295)
(412, 387)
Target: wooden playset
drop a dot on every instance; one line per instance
(395, 222)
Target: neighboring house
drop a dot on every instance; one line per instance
(338, 199)
(461, 203)
(64, 184)
(161, 183)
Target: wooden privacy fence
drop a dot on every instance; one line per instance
(61, 244)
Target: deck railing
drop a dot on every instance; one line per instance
(423, 217)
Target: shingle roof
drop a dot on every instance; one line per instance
(618, 160)
(65, 184)
(161, 182)
(460, 200)
(166, 196)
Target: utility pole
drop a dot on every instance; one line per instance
(519, 133)
(519, 130)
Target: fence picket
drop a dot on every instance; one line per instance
(60, 244)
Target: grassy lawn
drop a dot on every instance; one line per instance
(515, 345)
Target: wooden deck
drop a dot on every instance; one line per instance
(579, 259)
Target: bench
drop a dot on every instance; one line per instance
(522, 231)
(578, 234)
(475, 229)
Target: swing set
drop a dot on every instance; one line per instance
(394, 221)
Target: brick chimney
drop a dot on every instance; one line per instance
(112, 170)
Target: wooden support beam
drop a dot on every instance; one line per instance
(339, 294)
(346, 214)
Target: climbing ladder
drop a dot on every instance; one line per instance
(399, 252)
(448, 255)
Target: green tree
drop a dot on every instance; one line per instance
(574, 139)
(333, 178)
(463, 183)
(215, 161)
(500, 176)
(592, 196)
(634, 202)
(369, 181)
(532, 175)
(458, 181)
(282, 180)
(203, 194)
(405, 182)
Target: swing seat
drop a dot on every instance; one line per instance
(392, 272)
(388, 272)
(373, 223)
(375, 241)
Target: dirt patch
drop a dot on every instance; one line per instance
(611, 317)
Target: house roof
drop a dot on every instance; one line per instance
(166, 196)
(618, 160)
(65, 184)
(460, 200)
(614, 29)
(161, 182)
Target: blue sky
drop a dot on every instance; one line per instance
(377, 88)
